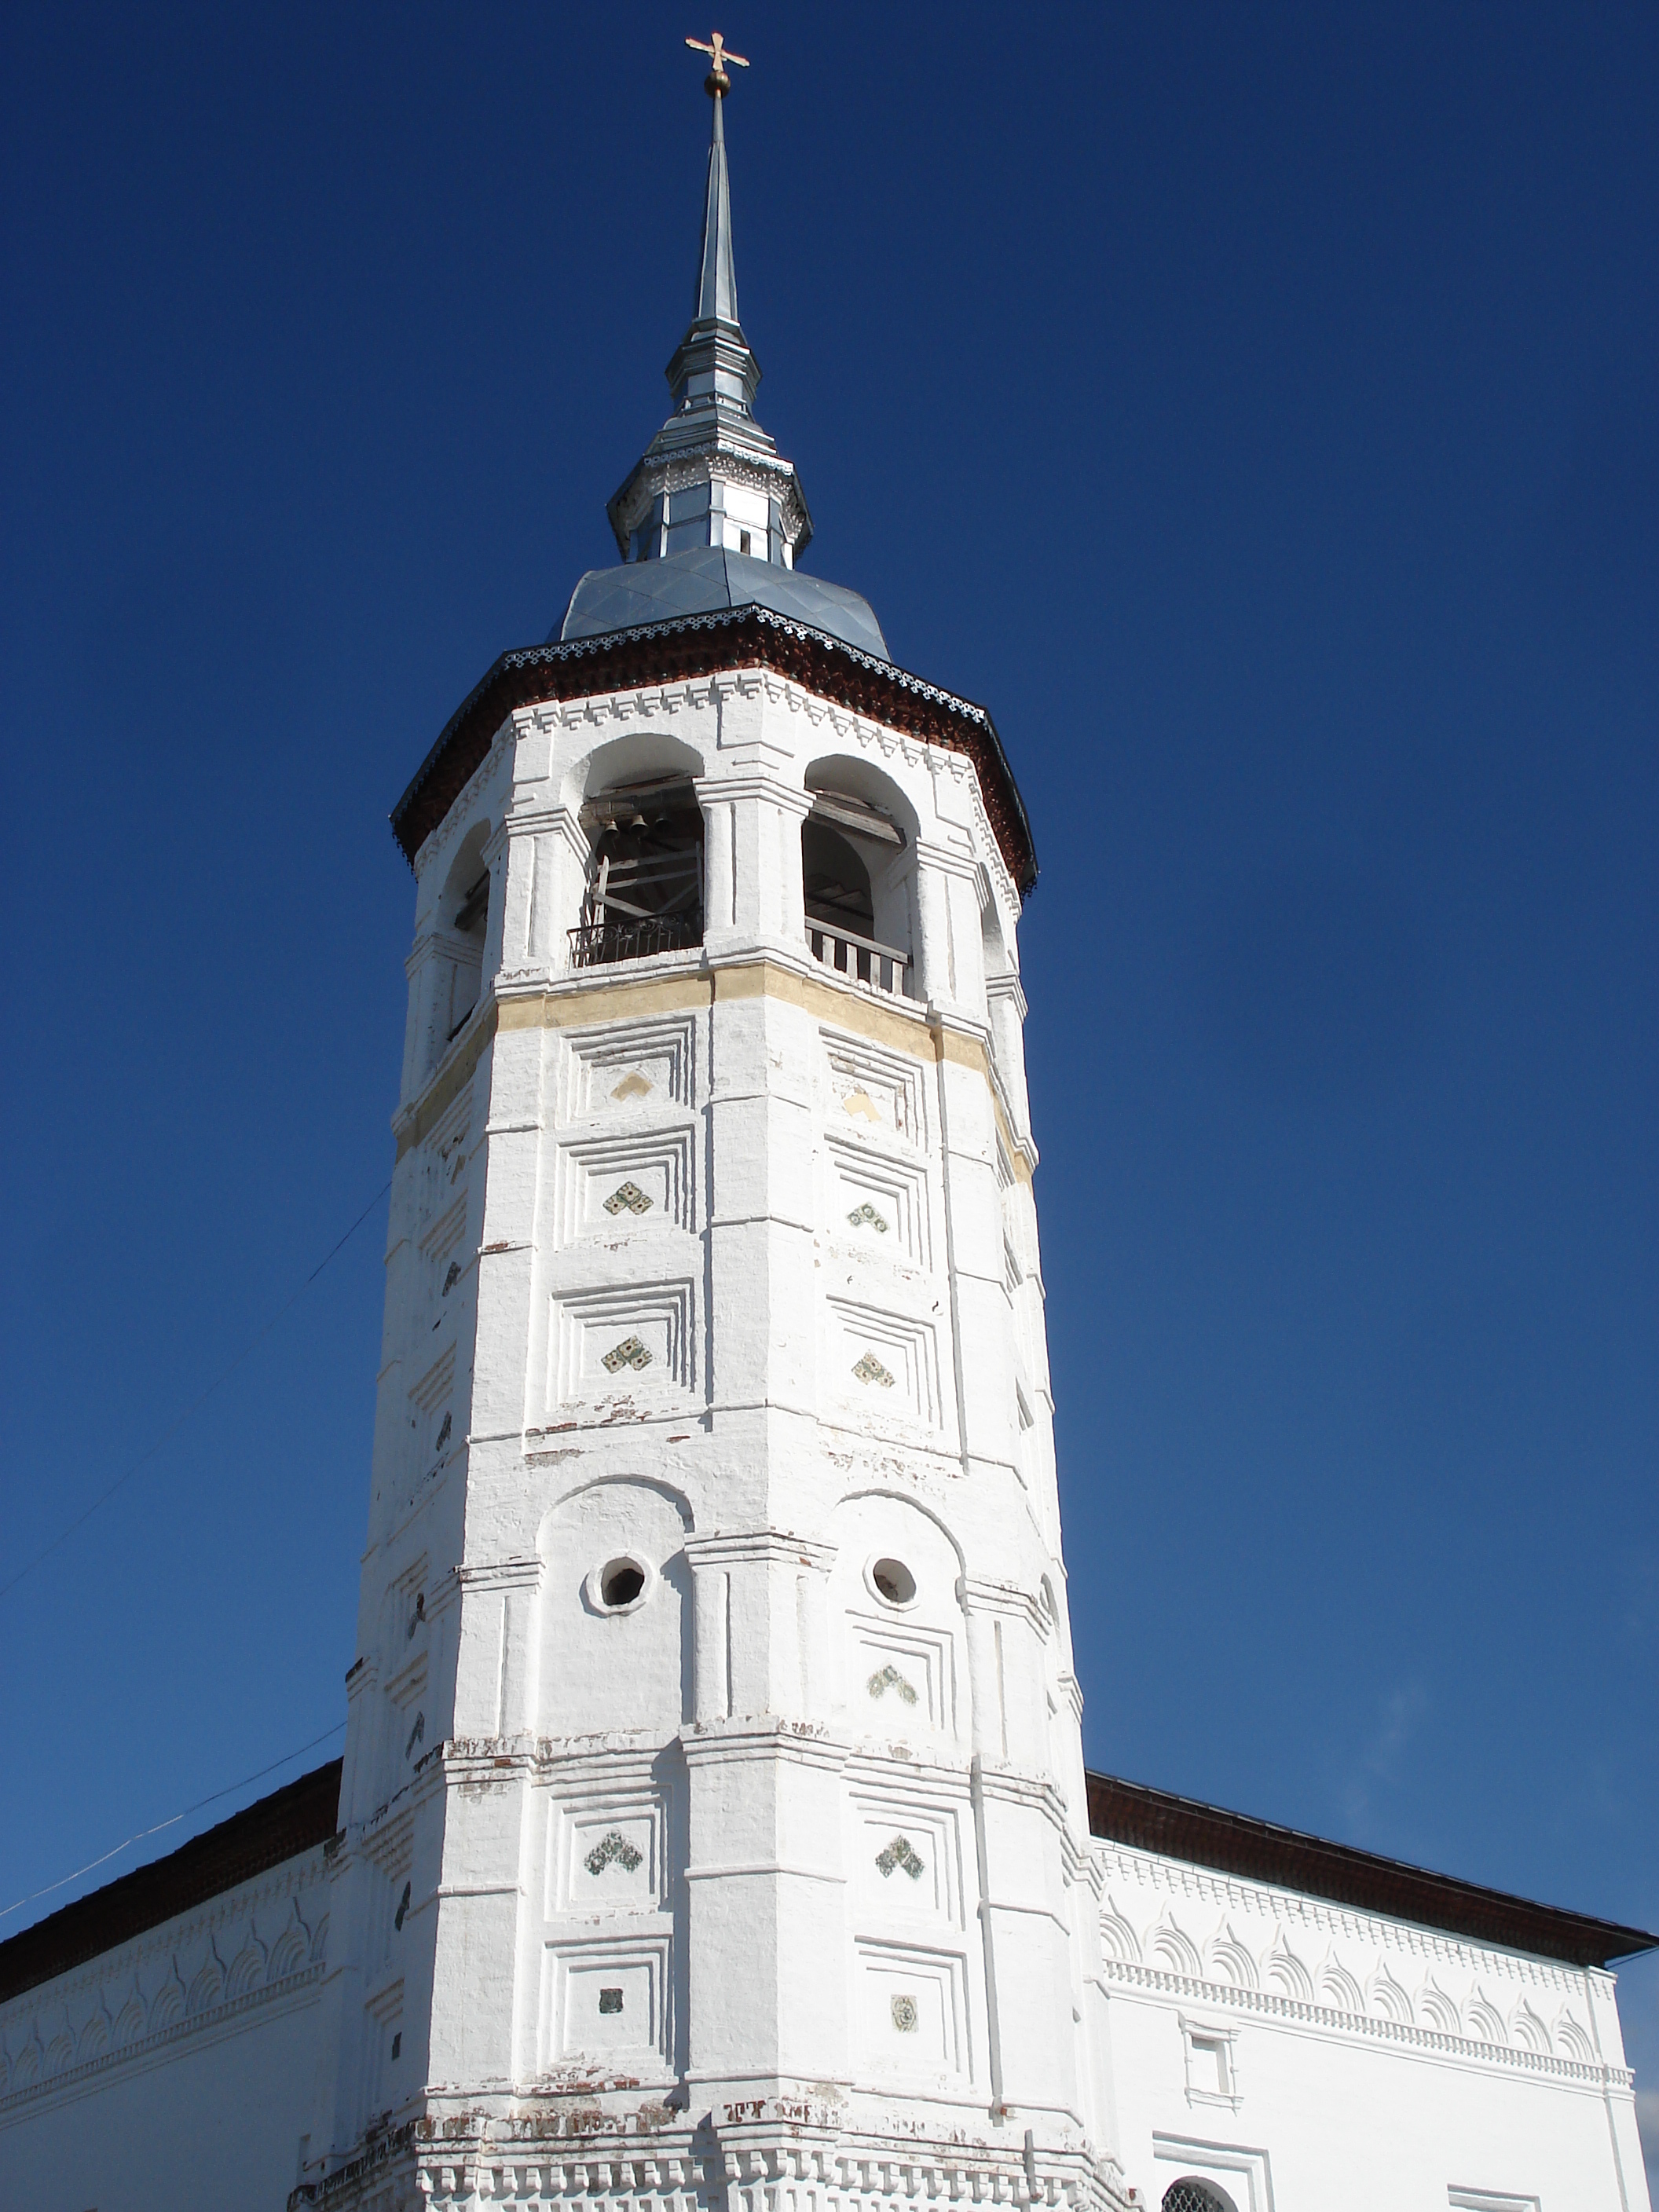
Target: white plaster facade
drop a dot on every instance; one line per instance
(821, 1834)
(178, 2070)
(1291, 2052)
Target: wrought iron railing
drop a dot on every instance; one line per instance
(599, 944)
(860, 959)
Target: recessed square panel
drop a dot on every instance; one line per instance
(611, 1186)
(900, 1682)
(630, 1069)
(875, 1206)
(606, 2002)
(632, 1341)
(910, 2011)
(872, 1093)
(608, 1859)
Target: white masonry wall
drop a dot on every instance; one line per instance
(1294, 2054)
(180, 2072)
(769, 1849)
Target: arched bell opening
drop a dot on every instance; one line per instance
(856, 901)
(644, 887)
(463, 925)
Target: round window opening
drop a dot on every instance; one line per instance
(621, 1583)
(893, 1580)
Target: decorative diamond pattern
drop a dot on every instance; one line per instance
(905, 2016)
(630, 1352)
(866, 1217)
(870, 1370)
(627, 1198)
(610, 1847)
(890, 1679)
(901, 1852)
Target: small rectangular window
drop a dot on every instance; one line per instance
(1210, 2066)
(1211, 2063)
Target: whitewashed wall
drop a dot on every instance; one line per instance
(1294, 2054)
(180, 2072)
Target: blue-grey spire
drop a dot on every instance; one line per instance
(712, 475)
(716, 297)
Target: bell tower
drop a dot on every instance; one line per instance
(713, 1829)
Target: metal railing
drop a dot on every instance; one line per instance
(860, 959)
(599, 943)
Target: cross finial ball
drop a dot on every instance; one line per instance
(717, 84)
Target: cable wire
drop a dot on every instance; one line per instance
(195, 1406)
(229, 1790)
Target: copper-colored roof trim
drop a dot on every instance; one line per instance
(1255, 1850)
(704, 645)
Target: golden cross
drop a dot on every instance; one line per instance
(719, 56)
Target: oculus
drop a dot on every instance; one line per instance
(892, 1582)
(621, 1582)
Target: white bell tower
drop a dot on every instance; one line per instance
(714, 1823)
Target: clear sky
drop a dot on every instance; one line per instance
(1255, 409)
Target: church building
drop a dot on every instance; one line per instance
(712, 1832)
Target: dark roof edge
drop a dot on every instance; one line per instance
(1237, 1843)
(530, 674)
(292, 1820)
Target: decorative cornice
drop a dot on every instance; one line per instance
(1166, 1826)
(1294, 2011)
(284, 1825)
(145, 2047)
(697, 646)
(744, 2158)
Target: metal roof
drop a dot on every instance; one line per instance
(1257, 1850)
(292, 1820)
(710, 577)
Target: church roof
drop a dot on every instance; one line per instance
(294, 1819)
(1257, 1850)
(710, 577)
(694, 646)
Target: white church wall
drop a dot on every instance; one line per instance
(180, 2072)
(1279, 2048)
(821, 1185)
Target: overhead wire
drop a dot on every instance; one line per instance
(195, 1406)
(173, 1819)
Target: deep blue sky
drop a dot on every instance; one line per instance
(1255, 409)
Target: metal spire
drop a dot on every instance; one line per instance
(711, 443)
(717, 279)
